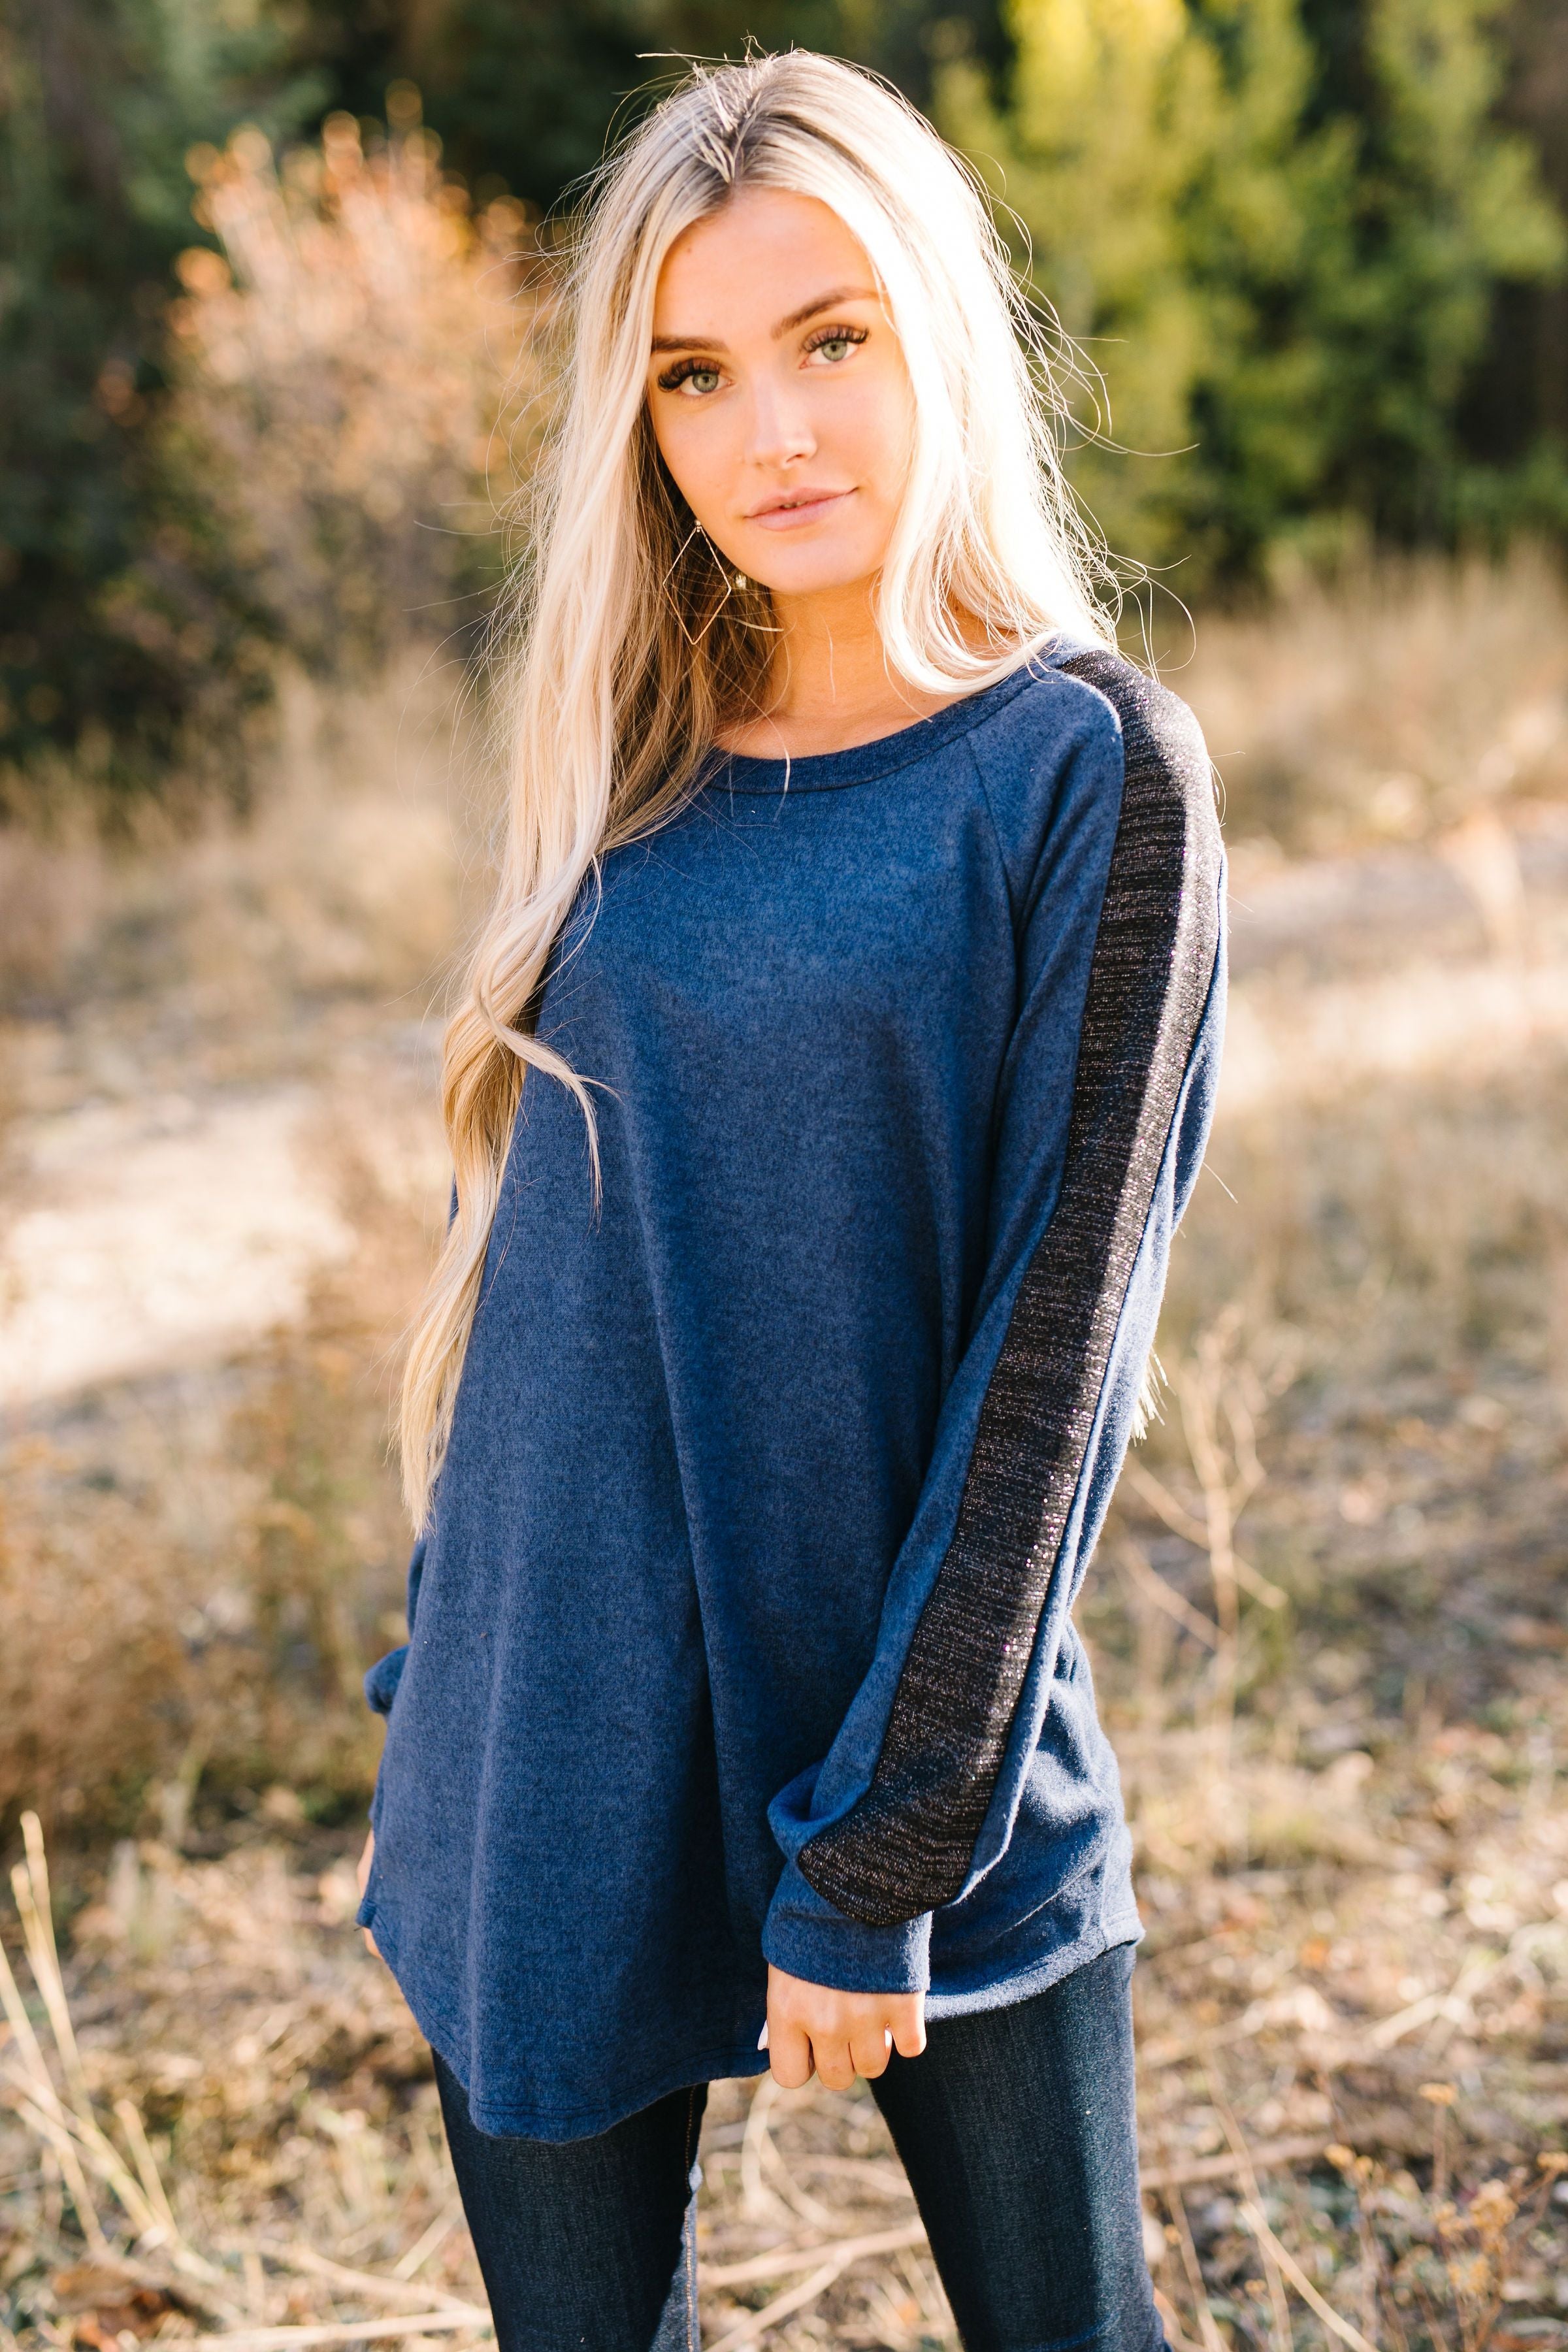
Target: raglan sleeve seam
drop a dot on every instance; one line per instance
(1101, 713)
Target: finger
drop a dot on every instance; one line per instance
(870, 2047)
(789, 2054)
(910, 2032)
(834, 2065)
(370, 1942)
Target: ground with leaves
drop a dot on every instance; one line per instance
(1326, 1618)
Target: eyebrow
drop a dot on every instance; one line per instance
(811, 310)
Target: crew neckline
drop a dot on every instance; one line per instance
(862, 764)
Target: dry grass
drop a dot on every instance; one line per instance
(221, 934)
(1387, 707)
(195, 1564)
(1327, 1617)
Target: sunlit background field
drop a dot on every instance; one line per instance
(1328, 1617)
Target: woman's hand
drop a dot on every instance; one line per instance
(362, 1875)
(842, 2034)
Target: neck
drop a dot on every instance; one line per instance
(831, 686)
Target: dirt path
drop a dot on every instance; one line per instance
(156, 1233)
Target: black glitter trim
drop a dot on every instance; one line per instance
(905, 1847)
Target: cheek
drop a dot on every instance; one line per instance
(694, 455)
(883, 426)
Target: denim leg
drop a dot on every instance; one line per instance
(680, 2329)
(586, 2245)
(1017, 2130)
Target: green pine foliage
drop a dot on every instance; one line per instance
(120, 614)
(1288, 236)
(525, 88)
(1280, 287)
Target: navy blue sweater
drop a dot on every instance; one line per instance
(741, 1629)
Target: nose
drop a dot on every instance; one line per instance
(780, 429)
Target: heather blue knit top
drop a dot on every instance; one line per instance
(741, 1630)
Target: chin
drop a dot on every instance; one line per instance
(817, 574)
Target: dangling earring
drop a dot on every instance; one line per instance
(723, 569)
(741, 581)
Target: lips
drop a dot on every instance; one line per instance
(799, 507)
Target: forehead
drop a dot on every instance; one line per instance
(760, 257)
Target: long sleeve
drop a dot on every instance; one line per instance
(916, 1798)
(381, 1682)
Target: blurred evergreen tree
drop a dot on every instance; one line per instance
(1452, 219)
(1312, 259)
(1516, 409)
(524, 89)
(100, 101)
(1278, 237)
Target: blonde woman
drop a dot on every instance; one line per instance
(832, 1073)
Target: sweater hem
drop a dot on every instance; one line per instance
(498, 2121)
(730, 2063)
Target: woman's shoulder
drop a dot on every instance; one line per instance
(1085, 724)
(1074, 693)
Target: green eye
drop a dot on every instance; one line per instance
(834, 344)
(692, 371)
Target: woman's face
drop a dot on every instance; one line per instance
(778, 392)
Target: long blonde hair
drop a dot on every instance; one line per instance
(634, 646)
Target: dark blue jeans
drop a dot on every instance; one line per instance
(1017, 2130)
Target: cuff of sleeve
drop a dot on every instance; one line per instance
(805, 1936)
(380, 1683)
